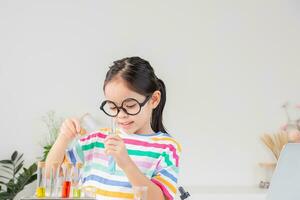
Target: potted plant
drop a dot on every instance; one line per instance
(14, 176)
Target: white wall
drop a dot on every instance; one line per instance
(228, 67)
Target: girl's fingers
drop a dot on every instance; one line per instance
(69, 128)
(112, 142)
(112, 147)
(65, 129)
(110, 150)
(76, 122)
(71, 125)
(113, 137)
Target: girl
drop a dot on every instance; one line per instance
(145, 154)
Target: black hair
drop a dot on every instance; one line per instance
(140, 77)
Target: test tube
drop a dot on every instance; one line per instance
(66, 186)
(50, 180)
(88, 124)
(111, 160)
(41, 181)
(58, 180)
(76, 177)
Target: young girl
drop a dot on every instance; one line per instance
(145, 154)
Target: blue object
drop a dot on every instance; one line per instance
(111, 165)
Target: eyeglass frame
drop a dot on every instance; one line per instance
(124, 109)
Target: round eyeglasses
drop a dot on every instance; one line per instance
(130, 106)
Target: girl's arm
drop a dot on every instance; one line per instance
(68, 131)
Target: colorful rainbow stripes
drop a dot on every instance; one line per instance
(156, 155)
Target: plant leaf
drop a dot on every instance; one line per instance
(14, 155)
(32, 178)
(33, 168)
(5, 177)
(7, 167)
(6, 162)
(10, 172)
(17, 169)
(10, 185)
(5, 195)
(25, 178)
(1, 182)
(20, 157)
(19, 179)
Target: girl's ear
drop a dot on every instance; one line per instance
(155, 99)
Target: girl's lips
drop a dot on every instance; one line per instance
(125, 124)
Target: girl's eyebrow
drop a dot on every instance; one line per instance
(122, 100)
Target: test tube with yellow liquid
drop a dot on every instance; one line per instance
(76, 180)
(41, 181)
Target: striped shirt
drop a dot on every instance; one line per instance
(156, 155)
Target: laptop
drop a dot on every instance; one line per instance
(285, 182)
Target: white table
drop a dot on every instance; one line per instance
(55, 198)
(226, 193)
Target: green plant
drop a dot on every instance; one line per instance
(53, 125)
(13, 179)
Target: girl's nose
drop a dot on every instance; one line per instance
(122, 114)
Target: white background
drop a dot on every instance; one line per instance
(228, 67)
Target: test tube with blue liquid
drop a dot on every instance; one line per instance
(111, 160)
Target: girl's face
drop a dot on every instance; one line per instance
(117, 91)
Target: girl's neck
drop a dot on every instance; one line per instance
(145, 131)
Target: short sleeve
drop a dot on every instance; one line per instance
(166, 173)
(75, 153)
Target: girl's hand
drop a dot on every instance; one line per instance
(69, 129)
(115, 146)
